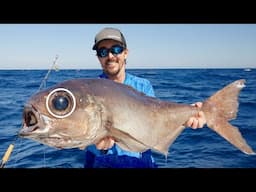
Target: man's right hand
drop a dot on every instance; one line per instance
(105, 143)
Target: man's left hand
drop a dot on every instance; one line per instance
(197, 121)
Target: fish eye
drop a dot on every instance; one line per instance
(60, 103)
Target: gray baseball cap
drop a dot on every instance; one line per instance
(109, 33)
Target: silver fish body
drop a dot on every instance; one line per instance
(79, 112)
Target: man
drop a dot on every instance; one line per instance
(112, 52)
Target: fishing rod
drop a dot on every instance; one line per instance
(43, 83)
(54, 66)
(6, 155)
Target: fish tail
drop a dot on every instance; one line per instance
(222, 107)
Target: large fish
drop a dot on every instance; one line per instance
(79, 112)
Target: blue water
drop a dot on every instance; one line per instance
(201, 148)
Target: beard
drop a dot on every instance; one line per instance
(111, 72)
(112, 69)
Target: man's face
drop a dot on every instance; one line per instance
(112, 64)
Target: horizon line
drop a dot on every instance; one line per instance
(143, 68)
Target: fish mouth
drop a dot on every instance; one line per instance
(31, 121)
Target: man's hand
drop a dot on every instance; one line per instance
(105, 143)
(199, 120)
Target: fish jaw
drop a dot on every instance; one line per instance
(39, 127)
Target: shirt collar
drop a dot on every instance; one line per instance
(127, 77)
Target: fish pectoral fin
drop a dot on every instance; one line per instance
(233, 135)
(126, 141)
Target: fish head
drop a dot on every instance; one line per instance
(61, 117)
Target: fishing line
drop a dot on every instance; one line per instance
(42, 85)
(19, 144)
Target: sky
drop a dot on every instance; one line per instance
(35, 46)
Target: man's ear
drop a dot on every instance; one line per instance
(125, 53)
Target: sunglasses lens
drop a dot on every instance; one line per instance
(102, 52)
(115, 50)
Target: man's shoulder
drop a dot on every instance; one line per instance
(138, 79)
(140, 83)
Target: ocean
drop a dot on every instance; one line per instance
(200, 148)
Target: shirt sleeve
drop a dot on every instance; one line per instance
(148, 90)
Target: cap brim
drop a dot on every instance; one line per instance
(94, 46)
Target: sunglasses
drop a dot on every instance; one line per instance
(115, 50)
